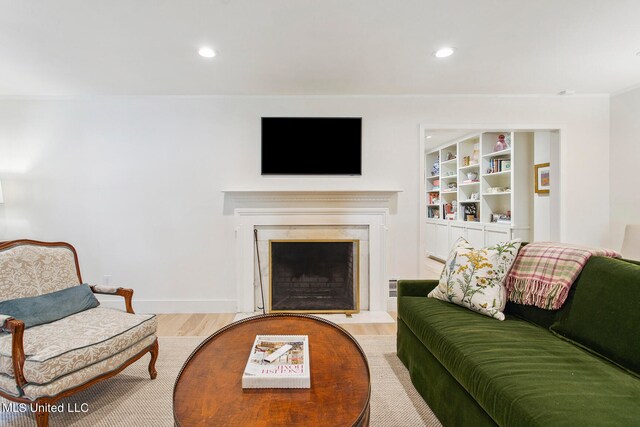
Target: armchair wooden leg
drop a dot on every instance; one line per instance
(42, 417)
(152, 363)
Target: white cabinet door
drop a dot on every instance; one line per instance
(496, 236)
(431, 238)
(475, 236)
(455, 232)
(442, 241)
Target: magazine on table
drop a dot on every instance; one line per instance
(278, 361)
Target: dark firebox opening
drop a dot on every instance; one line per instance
(312, 276)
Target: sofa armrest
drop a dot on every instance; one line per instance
(415, 288)
(126, 293)
(16, 328)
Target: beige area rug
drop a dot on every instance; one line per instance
(132, 399)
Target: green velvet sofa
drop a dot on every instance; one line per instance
(576, 366)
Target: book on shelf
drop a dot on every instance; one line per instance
(500, 165)
(278, 361)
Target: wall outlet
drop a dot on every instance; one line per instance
(393, 288)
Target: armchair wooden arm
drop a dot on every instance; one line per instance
(16, 328)
(126, 293)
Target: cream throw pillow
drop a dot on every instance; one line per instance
(475, 278)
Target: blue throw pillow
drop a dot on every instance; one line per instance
(48, 308)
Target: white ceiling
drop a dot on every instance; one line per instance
(333, 47)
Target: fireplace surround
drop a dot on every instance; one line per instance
(360, 209)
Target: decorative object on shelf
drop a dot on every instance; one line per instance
(498, 189)
(541, 178)
(506, 165)
(475, 156)
(466, 160)
(475, 196)
(473, 176)
(453, 186)
(451, 210)
(507, 140)
(435, 170)
(450, 156)
(470, 210)
(450, 173)
(504, 218)
(501, 144)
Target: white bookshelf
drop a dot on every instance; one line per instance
(490, 190)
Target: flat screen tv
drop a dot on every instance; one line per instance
(311, 146)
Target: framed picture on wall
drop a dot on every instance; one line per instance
(542, 178)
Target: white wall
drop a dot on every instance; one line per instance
(546, 206)
(624, 164)
(541, 202)
(135, 182)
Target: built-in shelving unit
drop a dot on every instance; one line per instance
(477, 186)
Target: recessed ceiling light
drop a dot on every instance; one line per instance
(443, 52)
(567, 92)
(206, 52)
(429, 137)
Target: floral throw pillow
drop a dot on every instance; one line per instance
(474, 278)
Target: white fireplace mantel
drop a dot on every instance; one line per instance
(311, 207)
(257, 196)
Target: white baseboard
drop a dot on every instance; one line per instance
(190, 306)
(173, 306)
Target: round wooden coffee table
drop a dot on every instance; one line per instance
(208, 390)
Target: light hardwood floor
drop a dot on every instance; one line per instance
(198, 324)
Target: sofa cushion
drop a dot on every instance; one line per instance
(533, 314)
(474, 278)
(79, 340)
(604, 313)
(50, 307)
(28, 270)
(519, 373)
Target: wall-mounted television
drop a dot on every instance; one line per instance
(311, 146)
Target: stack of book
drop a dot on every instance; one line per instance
(278, 361)
(500, 165)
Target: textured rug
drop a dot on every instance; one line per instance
(131, 399)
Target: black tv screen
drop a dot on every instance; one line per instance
(311, 146)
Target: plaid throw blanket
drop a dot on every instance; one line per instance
(543, 272)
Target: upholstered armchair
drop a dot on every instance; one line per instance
(55, 339)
